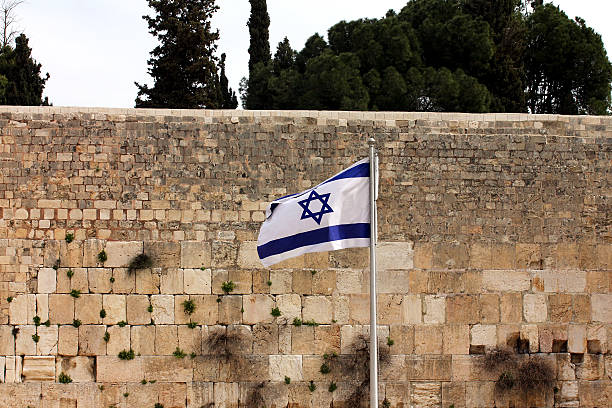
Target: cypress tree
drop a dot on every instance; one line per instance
(259, 24)
(228, 97)
(183, 65)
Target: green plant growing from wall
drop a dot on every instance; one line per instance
(332, 387)
(9, 299)
(312, 386)
(228, 287)
(126, 355)
(69, 273)
(112, 279)
(56, 265)
(35, 338)
(287, 380)
(102, 257)
(75, 293)
(36, 320)
(47, 323)
(275, 312)
(141, 261)
(158, 405)
(106, 337)
(69, 237)
(102, 313)
(64, 378)
(311, 323)
(76, 322)
(325, 368)
(390, 341)
(387, 404)
(297, 321)
(150, 309)
(192, 325)
(193, 355)
(189, 306)
(122, 323)
(178, 353)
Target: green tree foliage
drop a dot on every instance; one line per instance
(568, 70)
(259, 24)
(183, 65)
(442, 55)
(21, 82)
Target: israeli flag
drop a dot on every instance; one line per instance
(333, 215)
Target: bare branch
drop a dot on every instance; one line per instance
(8, 19)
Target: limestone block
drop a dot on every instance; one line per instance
(51, 253)
(450, 256)
(143, 340)
(121, 253)
(163, 309)
(226, 395)
(317, 308)
(394, 255)
(265, 338)
(243, 281)
(534, 308)
(576, 338)
(63, 282)
(166, 340)
(428, 339)
(480, 394)
(511, 308)
(392, 281)
(167, 369)
(91, 340)
(42, 307)
(180, 315)
(601, 305)
(484, 335)
(2, 365)
(13, 370)
(257, 308)
(411, 309)
(427, 368)
(24, 344)
(423, 255)
(389, 308)
(434, 309)
(531, 333)
(427, 394)
(285, 366)
(38, 368)
(302, 339)
(281, 282)
(489, 308)
(207, 309)
(462, 309)
(197, 282)
(260, 281)
(326, 339)
(137, 309)
(61, 309)
(528, 256)
(125, 281)
(71, 254)
(79, 280)
(349, 281)
(290, 306)
(172, 281)
(68, 341)
(164, 254)
(224, 254)
(592, 368)
(22, 309)
(341, 309)
(230, 309)
(87, 309)
(503, 256)
(115, 307)
(47, 280)
(218, 277)
(200, 394)
(506, 281)
(47, 344)
(148, 281)
(91, 249)
(7, 341)
(195, 254)
(323, 282)
(456, 339)
(119, 340)
(80, 369)
(110, 369)
(190, 340)
(247, 255)
(359, 308)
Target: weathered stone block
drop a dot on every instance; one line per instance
(257, 309)
(91, 249)
(434, 309)
(285, 366)
(163, 309)
(80, 369)
(601, 305)
(47, 343)
(197, 282)
(428, 339)
(125, 281)
(411, 309)
(456, 339)
(230, 310)
(462, 309)
(392, 281)
(426, 394)
(119, 340)
(23, 341)
(61, 309)
(99, 280)
(148, 281)
(207, 309)
(22, 309)
(323, 282)
(121, 253)
(265, 339)
(394, 255)
(483, 335)
(38, 368)
(68, 341)
(576, 339)
(511, 308)
(115, 307)
(166, 340)
(87, 309)
(143, 340)
(281, 282)
(317, 308)
(167, 369)
(164, 254)
(91, 341)
(428, 368)
(534, 308)
(110, 369)
(46, 280)
(506, 281)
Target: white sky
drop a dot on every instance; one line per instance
(95, 50)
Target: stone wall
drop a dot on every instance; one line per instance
(495, 231)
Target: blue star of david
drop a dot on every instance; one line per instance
(325, 208)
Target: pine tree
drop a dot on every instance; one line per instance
(183, 65)
(21, 82)
(259, 24)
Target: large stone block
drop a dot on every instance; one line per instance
(138, 309)
(392, 281)
(412, 309)
(601, 305)
(38, 368)
(535, 308)
(47, 280)
(394, 255)
(163, 309)
(110, 369)
(87, 309)
(172, 281)
(119, 340)
(99, 280)
(22, 309)
(91, 341)
(115, 307)
(166, 340)
(195, 254)
(506, 281)
(79, 369)
(207, 309)
(290, 306)
(121, 253)
(434, 309)
(143, 340)
(164, 254)
(285, 366)
(484, 335)
(61, 309)
(68, 341)
(317, 308)
(257, 309)
(197, 281)
(248, 257)
(91, 249)
(428, 339)
(7, 341)
(47, 343)
(167, 369)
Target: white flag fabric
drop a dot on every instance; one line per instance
(333, 215)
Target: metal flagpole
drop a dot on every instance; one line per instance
(373, 229)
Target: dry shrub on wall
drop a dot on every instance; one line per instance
(255, 397)
(535, 374)
(222, 344)
(499, 357)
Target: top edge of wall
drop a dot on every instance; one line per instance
(353, 115)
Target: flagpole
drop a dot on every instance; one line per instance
(373, 229)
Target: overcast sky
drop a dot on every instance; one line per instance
(95, 50)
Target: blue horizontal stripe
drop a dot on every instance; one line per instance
(318, 236)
